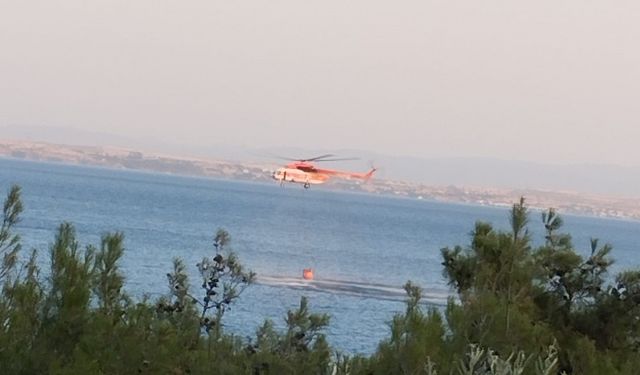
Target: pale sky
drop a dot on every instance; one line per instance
(544, 80)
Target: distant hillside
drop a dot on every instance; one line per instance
(118, 157)
(477, 172)
(80, 137)
(494, 173)
(64, 135)
(600, 179)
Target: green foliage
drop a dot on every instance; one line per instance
(107, 280)
(78, 320)
(9, 241)
(416, 342)
(67, 303)
(21, 304)
(485, 362)
(223, 280)
(552, 223)
(517, 298)
(301, 349)
(479, 361)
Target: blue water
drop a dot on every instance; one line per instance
(363, 248)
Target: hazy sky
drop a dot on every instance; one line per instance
(546, 80)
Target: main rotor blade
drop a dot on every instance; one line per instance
(284, 158)
(326, 157)
(317, 158)
(338, 159)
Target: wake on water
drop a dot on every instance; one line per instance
(354, 288)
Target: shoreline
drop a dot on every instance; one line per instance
(115, 158)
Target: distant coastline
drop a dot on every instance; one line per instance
(121, 158)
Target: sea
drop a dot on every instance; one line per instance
(362, 248)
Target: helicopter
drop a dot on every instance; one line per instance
(303, 171)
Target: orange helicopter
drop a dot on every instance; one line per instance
(303, 171)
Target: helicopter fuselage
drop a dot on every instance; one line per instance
(299, 176)
(307, 174)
